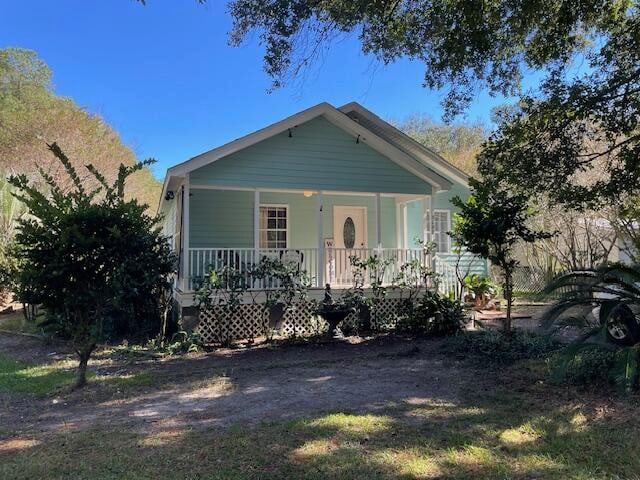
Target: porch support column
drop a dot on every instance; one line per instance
(185, 234)
(405, 231)
(320, 268)
(378, 209)
(256, 226)
(428, 225)
(399, 225)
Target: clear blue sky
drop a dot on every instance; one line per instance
(165, 78)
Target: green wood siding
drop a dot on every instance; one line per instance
(318, 155)
(469, 263)
(442, 200)
(302, 217)
(224, 218)
(221, 219)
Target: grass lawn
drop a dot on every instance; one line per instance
(47, 379)
(499, 435)
(15, 322)
(502, 424)
(40, 380)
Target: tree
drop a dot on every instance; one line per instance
(468, 45)
(10, 210)
(584, 124)
(583, 239)
(95, 261)
(463, 44)
(31, 114)
(458, 143)
(491, 223)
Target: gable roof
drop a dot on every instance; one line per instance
(361, 124)
(401, 140)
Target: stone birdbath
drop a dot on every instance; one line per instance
(333, 312)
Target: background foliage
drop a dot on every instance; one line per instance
(32, 115)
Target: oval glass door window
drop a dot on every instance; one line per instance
(349, 233)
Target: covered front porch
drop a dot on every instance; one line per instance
(316, 230)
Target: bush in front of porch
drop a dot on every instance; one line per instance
(240, 303)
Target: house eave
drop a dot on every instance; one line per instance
(336, 117)
(431, 167)
(429, 156)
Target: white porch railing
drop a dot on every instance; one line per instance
(338, 270)
(448, 280)
(243, 259)
(341, 273)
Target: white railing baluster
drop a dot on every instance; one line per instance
(339, 272)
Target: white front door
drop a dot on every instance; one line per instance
(350, 227)
(349, 239)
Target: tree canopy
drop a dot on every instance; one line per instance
(583, 114)
(463, 44)
(31, 116)
(576, 126)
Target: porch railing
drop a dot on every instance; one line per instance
(338, 270)
(341, 273)
(243, 259)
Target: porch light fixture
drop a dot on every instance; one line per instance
(169, 195)
(307, 193)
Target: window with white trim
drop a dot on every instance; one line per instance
(442, 225)
(274, 226)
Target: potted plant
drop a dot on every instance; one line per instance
(481, 288)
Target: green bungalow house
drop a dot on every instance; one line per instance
(315, 188)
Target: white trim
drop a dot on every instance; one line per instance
(275, 205)
(186, 214)
(301, 191)
(405, 227)
(335, 116)
(398, 224)
(320, 269)
(448, 212)
(256, 224)
(378, 208)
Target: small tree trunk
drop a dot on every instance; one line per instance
(508, 295)
(83, 354)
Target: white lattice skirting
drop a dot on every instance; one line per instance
(249, 321)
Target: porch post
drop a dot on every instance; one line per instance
(321, 254)
(399, 227)
(256, 226)
(405, 231)
(428, 224)
(378, 209)
(185, 234)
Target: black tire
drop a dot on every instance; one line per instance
(623, 328)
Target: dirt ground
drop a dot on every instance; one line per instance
(240, 386)
(243, 386)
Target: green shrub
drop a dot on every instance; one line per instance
(499, 347)
(431, 315)
(593, 364)
(96, 262)
(181, 342)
